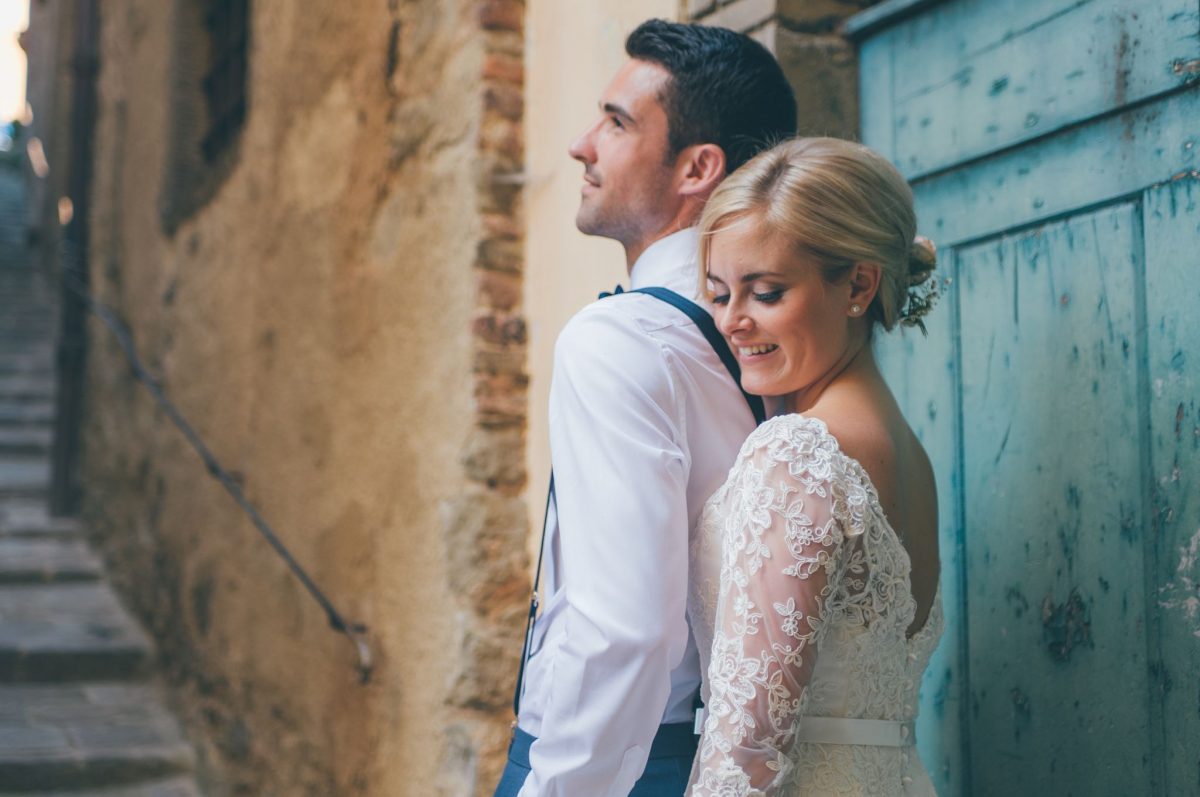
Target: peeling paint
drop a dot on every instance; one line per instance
(1183, 593)
(1190, 68)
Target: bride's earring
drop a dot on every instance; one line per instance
(855, 309)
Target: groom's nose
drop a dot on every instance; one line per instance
(583, 149)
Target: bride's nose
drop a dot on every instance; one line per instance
(732, 318)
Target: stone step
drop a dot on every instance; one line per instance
(25, 441)
(87, 736)
(26, 518)
(174, 787)
(26, 414)
(68, 632)
(35, 368)
(34, 351)
(26, 561)
(24, 477)
(25, 389)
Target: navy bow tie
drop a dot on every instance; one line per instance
(613, 292)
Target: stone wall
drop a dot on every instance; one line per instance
(821, 65)
(342, 322)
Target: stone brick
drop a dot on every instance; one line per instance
(499, 188)
(501, 144)
(486, 667)
(503, 67)
(495, 457)
(498, 290)
(502, 15)
(500, 329)
(817, 16)
(503, 225)
(742, 15)
(500, 361)
(505, 100)
(486, 558)
(823, 70)
(500, 399)
(501, 255)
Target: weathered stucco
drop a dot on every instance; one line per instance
(341, 323)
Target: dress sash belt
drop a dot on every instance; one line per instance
(846, 730)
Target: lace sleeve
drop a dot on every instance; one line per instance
(782, 552)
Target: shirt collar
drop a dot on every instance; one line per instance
(671, 263)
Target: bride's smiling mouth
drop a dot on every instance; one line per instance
(753, 352)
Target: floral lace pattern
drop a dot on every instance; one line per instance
(794, 555)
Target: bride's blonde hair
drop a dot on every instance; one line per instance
(839, 203)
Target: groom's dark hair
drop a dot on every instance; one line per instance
(725, 88)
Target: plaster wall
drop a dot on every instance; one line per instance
(574, 49)
(320, 322)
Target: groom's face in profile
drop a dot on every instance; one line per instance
(628, 176)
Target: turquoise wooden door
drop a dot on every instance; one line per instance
(1051, 145)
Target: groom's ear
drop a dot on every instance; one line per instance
(701, 167)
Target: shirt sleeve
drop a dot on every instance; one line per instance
(781, 558)
(620, 482)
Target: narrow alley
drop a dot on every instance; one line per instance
(80, 712)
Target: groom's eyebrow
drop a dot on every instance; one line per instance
(617, 110)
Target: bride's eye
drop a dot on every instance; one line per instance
(720, 298)
(768, 297)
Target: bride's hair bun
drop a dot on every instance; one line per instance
(923, 289)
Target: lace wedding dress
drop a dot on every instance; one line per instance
(800, 600)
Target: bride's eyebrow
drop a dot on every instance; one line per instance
(757, 275)
(711, 278)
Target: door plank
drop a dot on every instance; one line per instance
(922, 373)
(1055, 589)
(1086, 166)
(1172, 224)
(956, 99)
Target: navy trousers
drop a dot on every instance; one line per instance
(666, 773)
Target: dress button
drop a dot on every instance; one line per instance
(906, 780)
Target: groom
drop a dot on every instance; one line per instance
(644, 424)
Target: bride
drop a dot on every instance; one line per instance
(814, 593)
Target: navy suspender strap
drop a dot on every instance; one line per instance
(533, 603)
(715, 339)
(709, 328)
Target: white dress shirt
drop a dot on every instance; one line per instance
(644, 424)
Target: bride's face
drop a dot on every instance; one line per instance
(787, 325)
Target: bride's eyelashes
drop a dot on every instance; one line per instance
(766, 297)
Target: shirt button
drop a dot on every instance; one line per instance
(906, 780)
